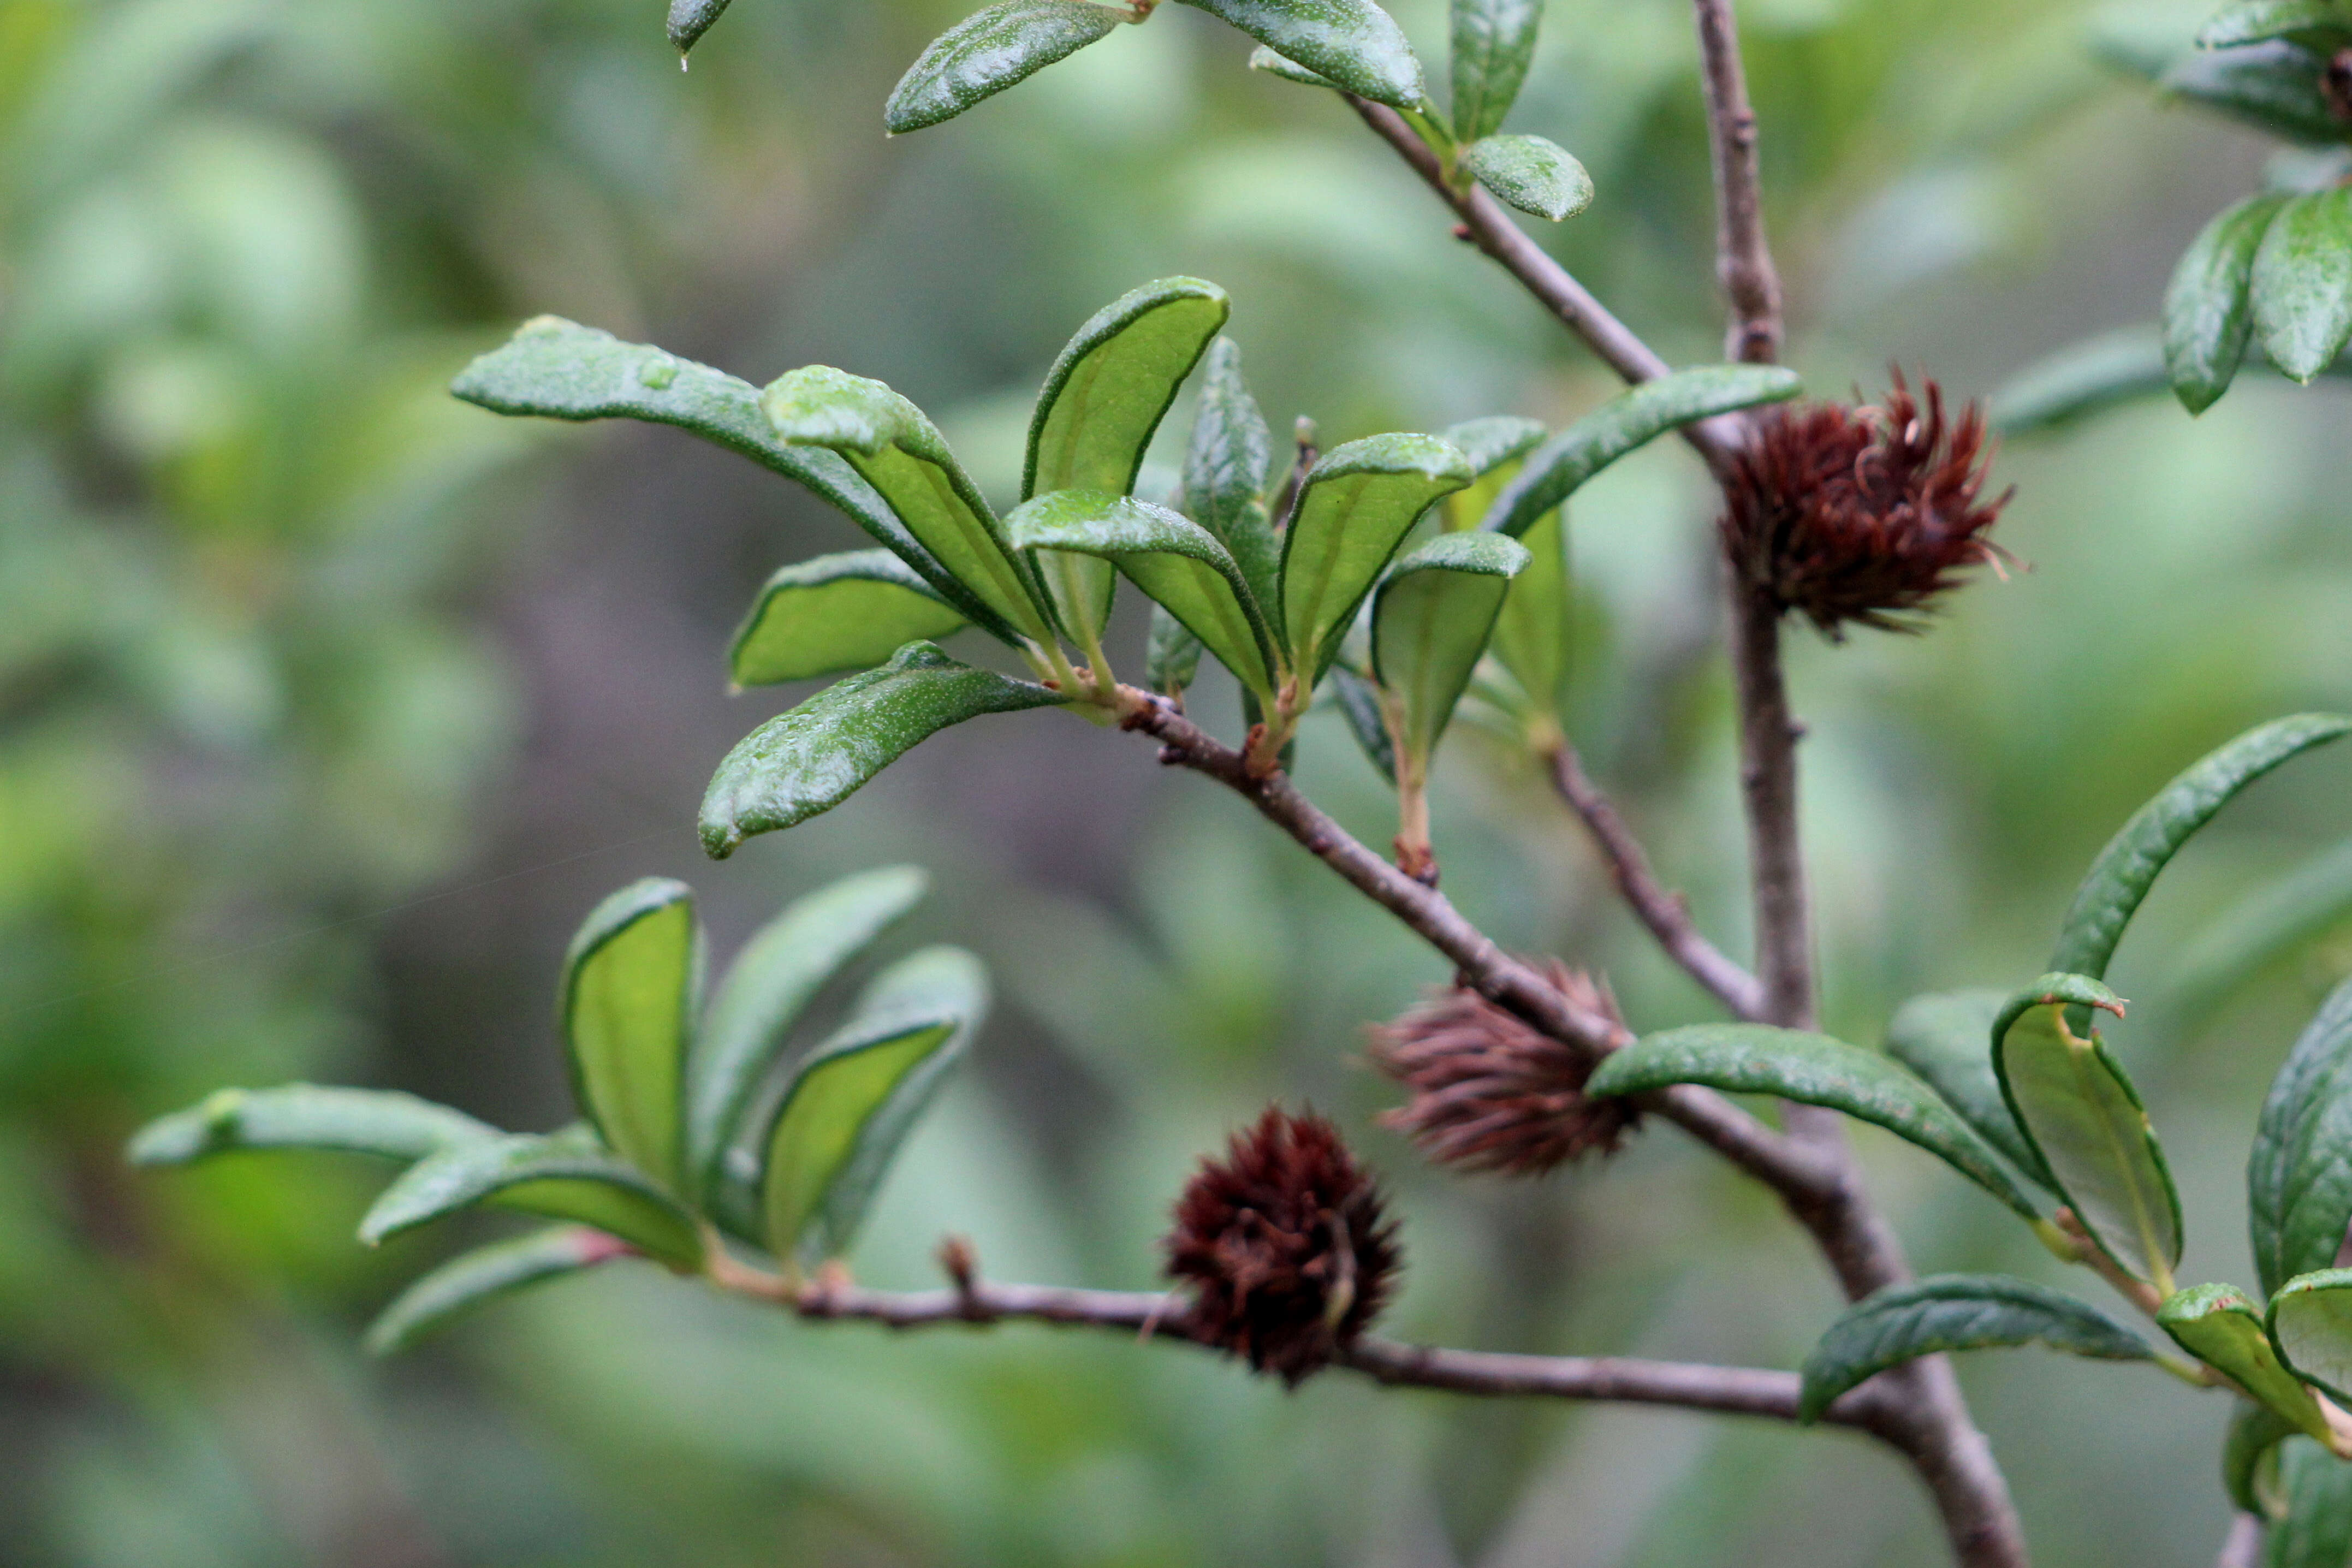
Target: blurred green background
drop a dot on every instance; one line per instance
(328, 706)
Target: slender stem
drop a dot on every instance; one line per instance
(1743, 259)
(1767, 782)
(1666, 914)
(2242, 1547)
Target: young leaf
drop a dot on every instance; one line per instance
(2311, 1325)
(2083, 1118)
(1629, 420)
(898, 451)
(305, 1116)
(470, 1279)
(1173, 559)
(1353, 44)
(1171, 656)
(1954, 1313)
(1536, 176)
(835, 615)
(1264, 59)
(564, 1175)
(1102, 400)
(812, 758)
(2303, 282)
(556, 369)
(2127, 867)
(689, 19)
(1360, 704)
(2082, 379)
(1225, 472)
(2250, 1456)
(854, 1099)
(784, 964)
(2273, 86)
(631, 984)
(2207, 312)
(2315, 1527)
(2315, 24)
(1356, 506)
(2299, 1173)
(1942, 1037)
(1812, 1069)
(1494, 40)
(1431, 619)
(987, 52)
(2221, 1327)
(1533, 635)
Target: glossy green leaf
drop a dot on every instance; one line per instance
(1356, 506)
(851, 1103)
(1533, 635)
(1225, 464)
(689, 19)
(1494, 40)
(564, 1175)
(1264, 59)
(894, 448)
(2221, 1326)
(471, 1278)
(1812, 1069)
(989, 51)
(2299, 1173)
(783, 966)
(2250, 1459)
(1954, 1313)
(835, 615)
(2316, 24)
(2128, 865)
(2311, 1325)
(1360, 704)
(1945, 1038)
(812, 758)
(2315, 1527)
(2273, 86)
(2208, 309)
(1536, 176)
(305, 1116)
(2271, 922)
(1172, 558)
(1431, 617)
(556, 369)
(2303, 282)
(1626, 422)
(1351, 43)
(1172, 654)
(631, 985)
(2081, 1113)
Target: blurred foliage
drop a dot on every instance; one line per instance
(292, 640)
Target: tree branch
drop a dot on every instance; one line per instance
(1743, 260)
(1664, 913)
(1768, 785)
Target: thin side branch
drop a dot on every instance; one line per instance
(1666, 914)
(1768, 782)
(2242, 1547)
(1743, 259)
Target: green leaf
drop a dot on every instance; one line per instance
(631, 984)
(812, 758)
(1494, 40)
(2220, 1326)
(1226, 465)
(1954, 1313)
(988, 51)
(470, 1279)
(835, 615)
(1353, 44)
(853, 1099)
(2249, 1455)
(1492, 441)
(898, 451)
(564, 1175)
(1431, 617)
(2083, 1116)
(783, 966)
(1626, 422)
(1944, 1037)
(1536, 176)
(2127, 867)
(1356, 506)
(1264, 59)
(1533, 635)
(2273, 86)
(2311, 1325)
(1360, 704)
(2080, 380)
(2207, 312)
(2303, 283)
(305, 1116)
(689, 19)
(1170, 557)
(2299, 1173)
(556, 369)
(2264, 927)
(2314, 1531)
(1102, 400)
(1812, 1069)
(2315, 24)
(1171, 656)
